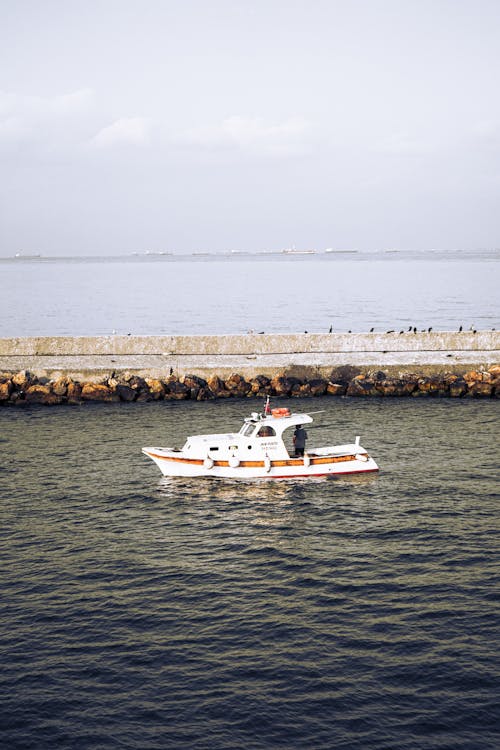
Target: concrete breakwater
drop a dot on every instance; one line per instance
(62, 369)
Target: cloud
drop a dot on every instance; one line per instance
(44, 122)
(253, 134)
(127, 131)
(74, 122)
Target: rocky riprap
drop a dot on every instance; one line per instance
(24, 388)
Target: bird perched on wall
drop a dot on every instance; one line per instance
(414, 329)
(371, 330)
(460, 329)
(331, 329)
(429, 329)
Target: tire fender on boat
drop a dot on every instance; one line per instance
(360, 457)
(208, 463)
(267, 463)
(234, 462)
(307, 460)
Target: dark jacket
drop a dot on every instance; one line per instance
(299, 438)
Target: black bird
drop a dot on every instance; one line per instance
(474, 330)
(401, 332)
(171, 370)
(460, 329)
(429, 329)
(414, 329)
(410, 328)
(349, 331)
(371, 330)
(390, 331)
(331, 329)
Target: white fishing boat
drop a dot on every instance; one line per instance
(258, 451)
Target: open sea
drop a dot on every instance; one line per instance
(145, 613)
(204, 294)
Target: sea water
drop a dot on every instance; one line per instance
(143, 612)
(161, 295)
(148, 613)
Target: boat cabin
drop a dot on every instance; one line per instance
(260, 435)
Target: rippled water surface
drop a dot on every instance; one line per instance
(146, 613)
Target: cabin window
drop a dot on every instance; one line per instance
(266, 431)
(214, 448)
(249, 430)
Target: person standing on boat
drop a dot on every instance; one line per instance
(299, 440)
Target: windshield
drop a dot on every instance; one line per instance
(247, 429)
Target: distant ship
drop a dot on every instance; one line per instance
(23, 256)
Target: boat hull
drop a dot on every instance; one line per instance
(174, 464)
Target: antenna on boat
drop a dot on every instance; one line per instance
(267, 407)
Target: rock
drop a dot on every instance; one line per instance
(336, 389)
(205, 394)
(5, 390)
(431, 386)
(125, 392)
(137, 383)
(73, 392)
(176, 390)
(144, 395)
(473, 376)
(480, 389)
(286, 385)
(260, 386)
(457, 387)
(216, 386)
(42, 394)
(302, 390)
(237, 385)
(193, 381)
(362, 386)
(60, 387)
(395, 387)
(156, 388)
(98, 392)
(22, 380)
(279, 385)
(318, 386)
(495, 380)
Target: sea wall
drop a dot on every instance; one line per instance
(301, 355)
(63, 369)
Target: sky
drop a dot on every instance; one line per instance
(190, 125)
